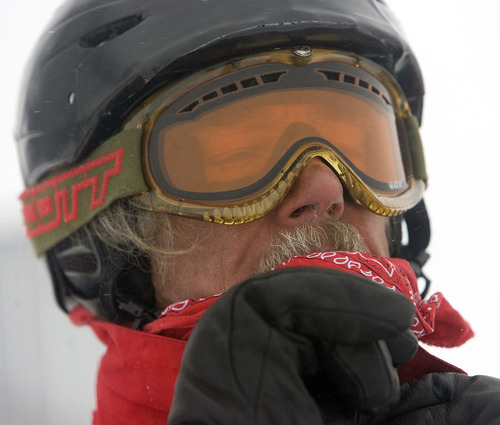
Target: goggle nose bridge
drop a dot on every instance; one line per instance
(336, 166)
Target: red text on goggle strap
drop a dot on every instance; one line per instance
(56, 201)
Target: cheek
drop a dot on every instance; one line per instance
(217, 258)
(371, 227)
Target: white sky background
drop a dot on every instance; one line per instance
(456, 42)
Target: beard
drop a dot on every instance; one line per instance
(310, 238)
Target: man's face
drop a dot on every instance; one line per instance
(224, 255)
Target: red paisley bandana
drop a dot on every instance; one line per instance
(436, 321)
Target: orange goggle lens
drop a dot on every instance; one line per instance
(233, 151)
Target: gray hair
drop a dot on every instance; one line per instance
(134, 231)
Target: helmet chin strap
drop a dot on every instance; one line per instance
(414, 249)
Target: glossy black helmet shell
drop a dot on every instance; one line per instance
(99, 59)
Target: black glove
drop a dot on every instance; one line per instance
(446, 399)
(294, 346)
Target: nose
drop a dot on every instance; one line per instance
(315, 196)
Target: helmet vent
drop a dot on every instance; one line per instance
(78, 264)
(237, 86)
(109, 31)
(355, 81)
(75, 260)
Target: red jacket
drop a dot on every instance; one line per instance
(137, 373)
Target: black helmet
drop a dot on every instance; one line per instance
(99, 60)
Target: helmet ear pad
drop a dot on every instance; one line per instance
(108, 282)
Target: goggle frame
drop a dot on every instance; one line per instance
(246, 211)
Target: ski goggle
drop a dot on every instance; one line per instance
(226, 144)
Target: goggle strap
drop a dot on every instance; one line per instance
(58, 206)
(416, 148)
